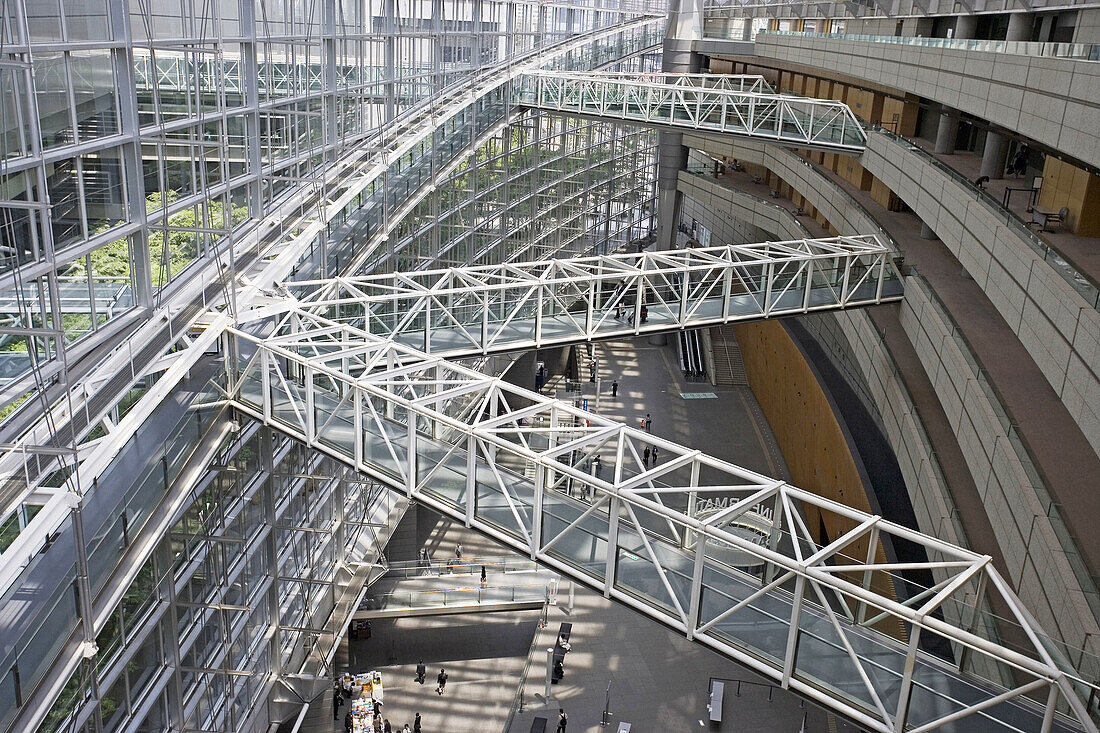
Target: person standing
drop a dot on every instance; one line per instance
(645, 313)
(563, 720)
(645, 456)
(337, 701)
(458, 552)
(442, 680)
(648, 423)
(654, 455)
(386, 727)
(615, 388)
(484, 579)
(421, 670)
(416, 724)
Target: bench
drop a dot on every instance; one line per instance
(558, 667)
(717, 691)
(538, 725)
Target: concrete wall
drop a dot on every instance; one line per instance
(1053, 101)
(1037, 564)
(1060, 330)
(725, 212)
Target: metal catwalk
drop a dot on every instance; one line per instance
(721, 553)
(728, 105)
(464, 311)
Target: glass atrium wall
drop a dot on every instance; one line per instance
(140, 147)
(140, 138)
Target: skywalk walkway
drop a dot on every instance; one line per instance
(731, 105)
(748, 579)
(450, 589)
(480, 310)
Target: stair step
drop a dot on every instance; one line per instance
(729, 366)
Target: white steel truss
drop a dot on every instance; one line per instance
(701, 102)
(719, 552)
(478, 310)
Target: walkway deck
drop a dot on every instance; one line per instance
(1059, 447)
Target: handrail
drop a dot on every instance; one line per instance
(1074, 51)
(1021, 446)
(1086, 285)
(895, 370)
(517, 698)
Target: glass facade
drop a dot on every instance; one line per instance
(145, 146)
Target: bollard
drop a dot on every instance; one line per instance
(549, 670)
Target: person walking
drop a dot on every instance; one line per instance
(648, 423)
(645, 456)
(337, 701)
(615, 388)
(416, 724)
(386, 727)
(458, 552)
(654, 455)
(484, 579)
(442, 680)
(347, 722)
(563, 720)
(421, 670)
(645, 313)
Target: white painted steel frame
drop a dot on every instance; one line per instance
(479, 310)
(297, 232)
(701, 102)
(460, 442)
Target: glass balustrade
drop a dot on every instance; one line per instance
(843, 645)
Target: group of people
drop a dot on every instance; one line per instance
(441, 678)
(364, 702)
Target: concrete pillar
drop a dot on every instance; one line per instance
(946, 133)
(965, 26)
(926, 231)
(684, 27)
(994, 154)
(1019, 26)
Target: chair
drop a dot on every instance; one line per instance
(1059, 218)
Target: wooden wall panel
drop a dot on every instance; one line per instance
(809, 435)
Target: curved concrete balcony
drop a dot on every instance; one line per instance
(1004, 503)
(1055, 101)
(1049, 315)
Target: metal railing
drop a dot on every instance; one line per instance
(796, 610)
(1074, 51)
(1085, 285)
(1021, 447)
(474, 310)
(703, 102)
(456, 597)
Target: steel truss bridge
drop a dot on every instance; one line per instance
(749, 579)
(718, 552)
(478, 310)
(729, 105)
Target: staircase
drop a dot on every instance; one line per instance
(729, 367)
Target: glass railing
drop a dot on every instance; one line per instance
(1075, 51)
(891, 364)
(459, 566)
(457, 597)
(1085, 285)
(504, 503)
(996, 400)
